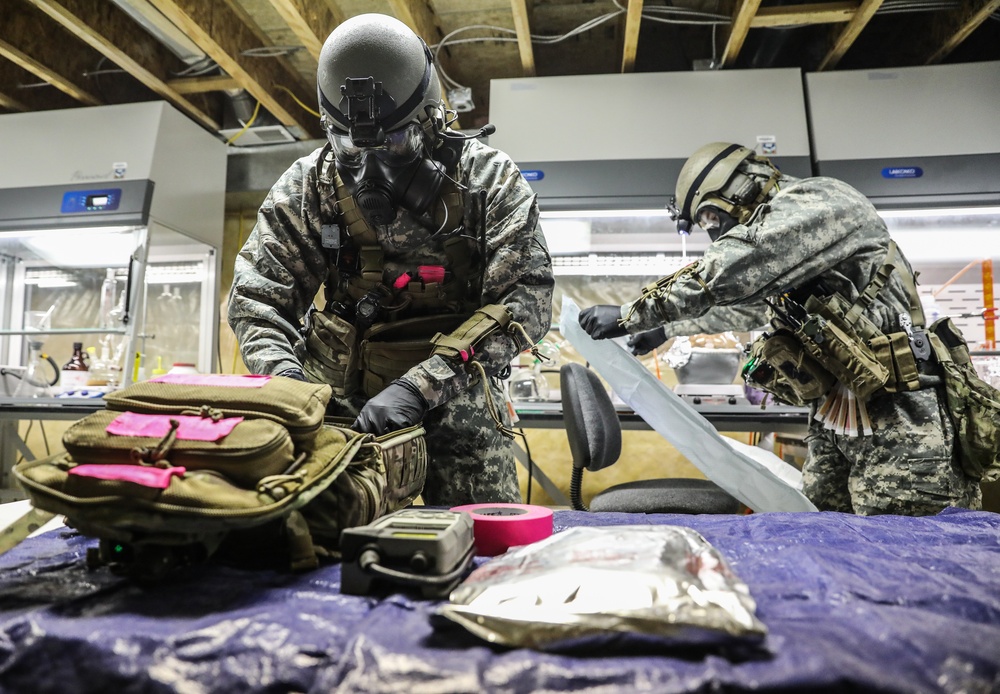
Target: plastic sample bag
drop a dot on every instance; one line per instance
(759, 479)
(585, 585)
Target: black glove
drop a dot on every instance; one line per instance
(294, 373)
(646, 342)
(602, 321)
(399, 406)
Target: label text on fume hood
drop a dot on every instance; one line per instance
(533, 175)
(902, 172)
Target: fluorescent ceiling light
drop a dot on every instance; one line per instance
(940, 212)
(82, 247)
(595, 214)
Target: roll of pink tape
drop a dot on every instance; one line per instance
(498, 527)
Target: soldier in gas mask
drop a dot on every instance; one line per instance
(815, 258)
(428, 247)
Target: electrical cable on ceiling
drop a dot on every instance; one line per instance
(298, 101)
(690, 17)
(270, 51)
(197, 69)
(246, 126)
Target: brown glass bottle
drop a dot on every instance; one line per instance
(75, 372)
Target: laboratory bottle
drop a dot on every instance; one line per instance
(35, 382)
(109, 296)
(75, 372)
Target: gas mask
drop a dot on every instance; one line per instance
(385, 177)
(714, 221)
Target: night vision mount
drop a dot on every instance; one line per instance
(366, 102)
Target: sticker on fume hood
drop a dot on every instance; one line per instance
(119, 168)
(902, 172)
(768, 144)
(533, 175)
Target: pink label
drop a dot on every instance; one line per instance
(154, 477)
(190, 427)
(227, 380)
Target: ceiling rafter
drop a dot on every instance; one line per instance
(311, 22)
(112, 33)
(26, 41)
(199, 85)
(522, 25)
(742, 16)
(19, 94)
(849, 34)
(630, 45)
(799, 15)
(963, 21)
(223, 33)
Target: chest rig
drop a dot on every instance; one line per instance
(365, 287)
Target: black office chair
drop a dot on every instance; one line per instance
(595, 442)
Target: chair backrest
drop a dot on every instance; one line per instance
(592, 426)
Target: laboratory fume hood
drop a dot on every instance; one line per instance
(111, 222)
(922, 144)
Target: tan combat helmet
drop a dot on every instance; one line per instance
(716, 175)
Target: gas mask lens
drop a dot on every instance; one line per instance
(708, 219)
(400, 147)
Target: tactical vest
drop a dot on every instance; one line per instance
(420, 312)
(828, 340)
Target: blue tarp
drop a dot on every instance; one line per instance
(885, 604)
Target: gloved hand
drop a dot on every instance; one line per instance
(646, 342)
(398, 406)
(294, 373)
(602, 321)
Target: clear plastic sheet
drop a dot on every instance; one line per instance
(585, 584)
(759, 479)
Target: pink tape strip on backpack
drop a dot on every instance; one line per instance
(226, 380)
(153, 477)
(190, 427)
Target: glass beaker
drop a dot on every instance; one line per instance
(529, 385)
(35, 381)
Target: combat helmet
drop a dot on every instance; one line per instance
(375, 75)
(727, 176)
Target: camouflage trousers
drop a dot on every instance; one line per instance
(469, 461)
(907, 467)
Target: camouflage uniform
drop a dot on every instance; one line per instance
(818, 236)
(283, 265)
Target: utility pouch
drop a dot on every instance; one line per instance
(779, 364)
(840, 350)
(331, 353)
(389, 350)
(296, 405)
(973, 404)
(244, 451)
(386, 474)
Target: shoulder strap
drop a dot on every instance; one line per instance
(875, 286)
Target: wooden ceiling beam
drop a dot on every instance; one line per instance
(743, 15)
(310, 21)
(223, 34)
(800, 15)
(112, 33)
(200, 85)
(630, 45)
(26, 39)
(962, 22)
(522, 25)
(849, 34)
(20, 94)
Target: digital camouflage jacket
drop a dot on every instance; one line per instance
(283, 265)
